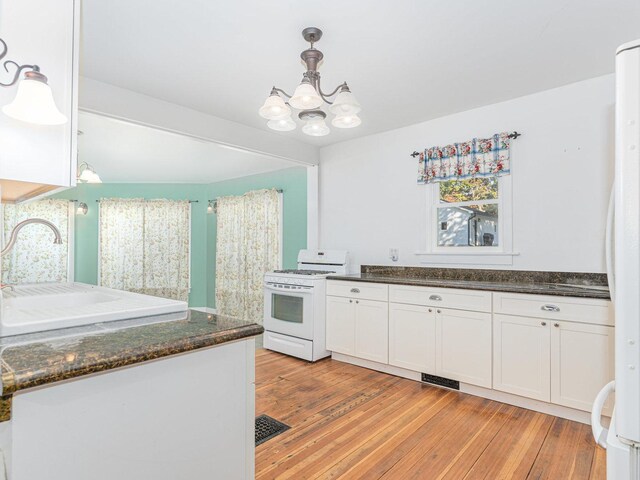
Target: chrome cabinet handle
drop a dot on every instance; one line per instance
(550, 308)
(350, 301)
(556, 324)
(357, 301)
(438, 311)
(544, 324)
(430, 310)
(437, 298)
(355, 290)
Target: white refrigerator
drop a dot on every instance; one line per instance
(622, 439)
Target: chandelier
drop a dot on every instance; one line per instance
(308, 97)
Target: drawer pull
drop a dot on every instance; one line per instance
(437, 298)
(550, 308)
(544, 324)
(355, 290)
(556, 325)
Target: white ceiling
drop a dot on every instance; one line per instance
(123, 152)
(405, 60)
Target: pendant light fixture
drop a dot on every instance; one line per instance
(34, 101)
(308, 97)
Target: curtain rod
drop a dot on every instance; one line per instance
(149, 199)
(279, 190)
(513, 135)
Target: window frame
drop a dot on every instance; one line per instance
(499, 254)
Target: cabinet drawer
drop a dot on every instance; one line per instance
(441, 297)
(585, 310)
(366, 291)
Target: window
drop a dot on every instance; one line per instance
(468, 212)
(470, 217)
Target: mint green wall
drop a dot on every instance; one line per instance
(293, 182)
(203, 226)
(86, 239)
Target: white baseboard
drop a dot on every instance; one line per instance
(522, 402)
(204, 309)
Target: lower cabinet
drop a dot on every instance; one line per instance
(449, 343)
(341, 325)
(582, 362)
(412, 337)
(566, 363)
(463, 346)
(358, 327)
(521, 356)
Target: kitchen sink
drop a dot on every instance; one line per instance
(41, 307)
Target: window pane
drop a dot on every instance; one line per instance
(470, 190)
(468, 226)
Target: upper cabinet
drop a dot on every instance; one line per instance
(38, 158)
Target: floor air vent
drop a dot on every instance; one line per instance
(267, 427)
(441, 381)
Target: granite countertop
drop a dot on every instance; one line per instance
(37, 359)
(517, 283)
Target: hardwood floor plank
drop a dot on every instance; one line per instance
(513, 450)
(567, 452)
(599, 465)
(349, 422)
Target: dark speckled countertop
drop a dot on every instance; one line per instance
(586, 285)
(37, 359)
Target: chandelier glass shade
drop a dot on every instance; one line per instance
(309, 98)
(274, 108)
(34, 102)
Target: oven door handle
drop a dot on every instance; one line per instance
(304, 290)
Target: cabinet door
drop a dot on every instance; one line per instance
(581, 363)
(463, 346)
(412, 337)
(521, 356)
(372, 330)
(37, 153)
(341, 326)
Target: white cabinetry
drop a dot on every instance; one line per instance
(581, 363)
(358, 320)
(463, 346)
(541, 352)
(521, 356)
(36, 158)
(412, 337)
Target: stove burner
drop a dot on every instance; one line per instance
(305, 272)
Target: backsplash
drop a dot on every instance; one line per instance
(484, 275)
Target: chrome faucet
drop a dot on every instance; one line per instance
(14, 233)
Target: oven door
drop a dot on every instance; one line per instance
(288, 310)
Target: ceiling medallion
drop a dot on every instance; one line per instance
(309, 97)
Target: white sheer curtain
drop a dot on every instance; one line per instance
(35, 258)
(145, 246)
(247, 246)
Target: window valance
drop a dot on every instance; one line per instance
(480, 157)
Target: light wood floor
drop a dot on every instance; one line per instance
(348, 422)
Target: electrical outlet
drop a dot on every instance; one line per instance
(393, 254)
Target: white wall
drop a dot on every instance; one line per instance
(562, 169)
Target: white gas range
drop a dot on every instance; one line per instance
(294, 304)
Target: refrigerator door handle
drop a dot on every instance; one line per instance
(599, 432)
(609, 243)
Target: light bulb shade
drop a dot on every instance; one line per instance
(82, 209)
(345, 104)
(346, 121)
(282, 125)
(89, 176)
(34, 104)
(274, 108)
(316, 128)
(305, 97)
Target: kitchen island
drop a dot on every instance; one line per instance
(154, 398)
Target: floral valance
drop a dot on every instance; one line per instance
(480, 157)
